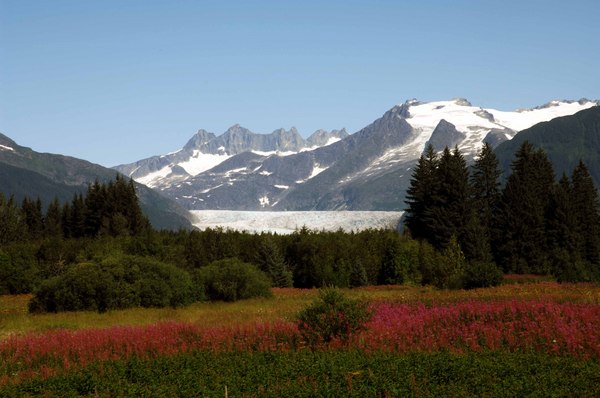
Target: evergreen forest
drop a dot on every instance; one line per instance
(463, 229)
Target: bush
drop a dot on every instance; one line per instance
(232, 280)
(482, 274)
(332, 316)
(115, 283)
(445, 270)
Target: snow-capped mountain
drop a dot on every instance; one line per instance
(368, 170)
(205, 151)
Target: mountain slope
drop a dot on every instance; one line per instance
(565, 140)
(368, 170)
(206, 150)
(24, 172)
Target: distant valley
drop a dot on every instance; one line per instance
(369, 170)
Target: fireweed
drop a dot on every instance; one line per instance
(474, 326)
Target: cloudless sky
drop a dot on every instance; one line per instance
(115, 81)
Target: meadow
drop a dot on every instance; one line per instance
(538, 339)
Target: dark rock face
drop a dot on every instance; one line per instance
(496, 137)
(445, 135)
(368, 170)
(322, 137)
(234, 141)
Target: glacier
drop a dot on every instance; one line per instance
(286, 222)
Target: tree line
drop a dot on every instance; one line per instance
(463, 230)
(533, 224)
(105, 209)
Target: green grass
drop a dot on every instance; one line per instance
(328, 374)
(285, 304)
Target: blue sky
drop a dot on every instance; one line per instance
(116, 81)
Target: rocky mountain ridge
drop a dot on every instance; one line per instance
(368, 170)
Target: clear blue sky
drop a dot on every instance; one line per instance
(116, 81)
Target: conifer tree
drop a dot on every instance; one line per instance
(96, 208)
(53, 220)
(12, 225)
(485, 188)
(271, 261)
(520, 234)
(420, 194)
(560, 219)
(32, 215)
(77, 217)
(586, 207)
(449, 213)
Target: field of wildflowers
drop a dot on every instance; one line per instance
(548, 320)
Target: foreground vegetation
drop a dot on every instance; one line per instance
(538, 338)
(325, 373)
(101, 304)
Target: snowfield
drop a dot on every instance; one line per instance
(286, 222)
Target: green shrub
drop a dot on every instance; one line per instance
(115, 283)
(232, 280)
(482, 274)
(332, 316)
(445, 270)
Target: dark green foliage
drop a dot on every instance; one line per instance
(210, 245)
(481, 274)
(19, 271)
(586, 207)
(32, 215)
(332, 316)
(485, 190)
(399, 263)
(444, 270)
(358, 274)
(450, 211)
(271, 261)
(232, 280)
(333, 373)
(520, 233)
(114, 283)
(420, 194)
(53, 220)
(12, 224)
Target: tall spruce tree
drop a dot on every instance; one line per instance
(12, 224)
(561, 221)
(32, 214)
(586, 207)
(485, 189)
(420, 194)
(450, 209)
(53, 220)
(520, 242)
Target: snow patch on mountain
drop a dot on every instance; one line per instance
(317, 169)
(154, 179)
(476, 122)
(264, 201)
(523, 119)
(200, 162)
(6, 148)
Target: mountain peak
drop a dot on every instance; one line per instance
(461, 101)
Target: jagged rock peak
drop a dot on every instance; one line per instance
(202, 137)
(322, 137)
(236, 129)
(445, 135)
(461, 101)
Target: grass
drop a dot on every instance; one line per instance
(335, 373)
(15, 319)
(166, 369)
